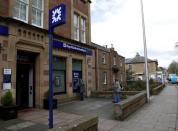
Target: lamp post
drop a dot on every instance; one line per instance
(145, 52)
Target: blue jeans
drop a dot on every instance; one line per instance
(116, 97)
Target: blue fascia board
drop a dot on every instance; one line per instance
(71, 47)
(4, 30)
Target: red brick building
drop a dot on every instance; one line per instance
(109, 66)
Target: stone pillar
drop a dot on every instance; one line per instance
(69, 89)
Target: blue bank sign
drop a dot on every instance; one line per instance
(57, 16)
(4, 30)
(70, 47)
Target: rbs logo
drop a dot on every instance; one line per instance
(57, 16)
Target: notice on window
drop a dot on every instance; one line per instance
(7, 73)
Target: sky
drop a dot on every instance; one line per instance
(118, 22)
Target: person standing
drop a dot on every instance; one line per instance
(116, 91)
(82, 89)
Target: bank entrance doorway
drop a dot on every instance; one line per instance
(76, 74)
(25, 80)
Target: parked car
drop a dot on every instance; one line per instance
(173, 78)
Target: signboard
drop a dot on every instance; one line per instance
(76, 75)
(67, 46)
(57, 16)
(57, 81)
(7, 79)
(4, 30)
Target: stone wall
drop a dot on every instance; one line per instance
(157, 90)
(126, 107)
(86, 123)
(109, 94)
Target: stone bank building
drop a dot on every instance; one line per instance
(24, 50)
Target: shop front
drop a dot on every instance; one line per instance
(24, 59)
(25, 53)
(69, 65)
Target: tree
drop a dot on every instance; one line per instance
(129, 74)
(173, 68)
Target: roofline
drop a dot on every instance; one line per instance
(97, 46)
(140, 62)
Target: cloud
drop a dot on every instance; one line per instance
(103, 9)
(118, 22)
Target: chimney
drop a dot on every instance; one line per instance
(112, 47)
(106, 46)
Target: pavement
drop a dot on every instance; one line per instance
(36, 120)
(158, 115)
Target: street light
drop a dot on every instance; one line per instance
(145, 52)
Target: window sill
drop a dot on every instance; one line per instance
(59, 93)
(37, 26)
(25, 21)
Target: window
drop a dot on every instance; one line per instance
(37, 13)
(59, 75)
(114, 60)
(120, 63)
(114, 78)
(76, 27)
(130, 67)
(83, 30)
(104, 59)
(105, 78)
(75, 2)
(121, 78)
(21, 10)
(79, 28)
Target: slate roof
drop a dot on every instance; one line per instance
(100, 47)
(138, 59)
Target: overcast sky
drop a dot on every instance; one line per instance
(118, 22)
